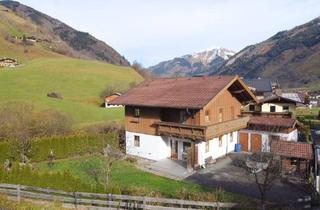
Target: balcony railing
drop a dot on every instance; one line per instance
(198, 132)
(267, 114)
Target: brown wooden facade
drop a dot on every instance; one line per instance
(220, 116)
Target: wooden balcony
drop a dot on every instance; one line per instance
(198, 132)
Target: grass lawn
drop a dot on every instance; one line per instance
(126, 175)
(305, 111)
(9, 204)
(42, 71)
(78, 81)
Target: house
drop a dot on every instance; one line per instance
(109, 98)
(8, 62)
(261, 131)
(195, 119)
(260, 87)
(314, 99)
(274, 106)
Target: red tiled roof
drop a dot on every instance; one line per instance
(111, 97)
(184, 92)
(292, 149)
(272, 121)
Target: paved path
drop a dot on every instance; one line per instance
(235, 179)
(173, 169)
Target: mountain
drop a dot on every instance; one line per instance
(54, 34)
(44, 66)
(292, 57)
(203, 62)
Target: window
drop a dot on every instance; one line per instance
(186, 146)
(272, 108)
(220, 141)
(137, 141)
(207, 146)
(136, 112)
(207, 116)
(232, 112)
(220, 116)
(251, 107)
(231, 137)
(285, 108)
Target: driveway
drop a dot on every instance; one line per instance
(234, 179)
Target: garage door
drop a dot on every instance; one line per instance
(255, 142)
(244, 141)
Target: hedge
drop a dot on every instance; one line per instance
(62, 146)
(26, 176)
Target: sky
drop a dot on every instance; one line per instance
(151, 31)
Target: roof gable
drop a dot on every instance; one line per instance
(184, 92)
(278, 99)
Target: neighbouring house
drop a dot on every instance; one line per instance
(109, 98)
(314, 99)
(8, 62)
(196, 119)
(260, 87)
(296, 158)
(273, 106)
(261, 131)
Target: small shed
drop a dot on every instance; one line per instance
(296, 157)
(109, 98)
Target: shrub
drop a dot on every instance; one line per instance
(25, 175)
(61, 146)
(20, 123)
(55, 95)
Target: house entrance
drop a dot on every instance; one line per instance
(174, 149)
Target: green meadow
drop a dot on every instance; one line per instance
(80, 83)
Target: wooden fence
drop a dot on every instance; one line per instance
(109, 200)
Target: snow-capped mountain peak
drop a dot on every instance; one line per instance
(202, 62)
(207, 56)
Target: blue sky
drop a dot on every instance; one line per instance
(151, 31)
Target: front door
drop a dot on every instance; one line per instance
(244, 141)
(174, 149)
(255, 142)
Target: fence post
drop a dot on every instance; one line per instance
(19, 193)
(75, 199)
(218, 206)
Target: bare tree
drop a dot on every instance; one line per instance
(265, 168)
(20, 123)
(109, 157)
(116, 87)
(144, 72)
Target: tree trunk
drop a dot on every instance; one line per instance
(263, 205)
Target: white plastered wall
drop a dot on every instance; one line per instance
(151, 147)
(215, 150)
